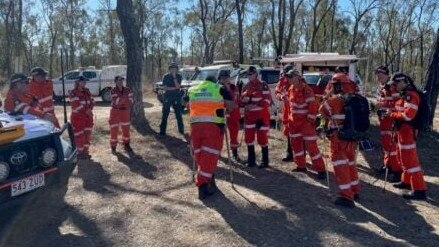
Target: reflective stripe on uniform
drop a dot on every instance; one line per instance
(205, 174)
(251, 143)
(339, 116)
(79, 133)
(26, 109)
(202, 119)
(406, 118)
(309, 99)
(386, 132)
(19, 106)
(296, 135)
(410, 105)
(310, 138)
(210, 150)
(326, 105)
(355, 182)
(264, 128)
(339, 162)
(266, 92)
(249, 126)
(297, 154)
(393, 153)
(408, 146)
(296, 111)
(344, 186)
(125, 123)
(114, 125)
(414, 169)
(299, 106)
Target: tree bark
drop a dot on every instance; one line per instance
(432, 79)
(131, 33)
(240, 6)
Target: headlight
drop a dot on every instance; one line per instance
(4, 171)
(49, 157)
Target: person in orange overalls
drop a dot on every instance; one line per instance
(280, 92)
(256, 98)
(342, 151)
(302, 119)
(120, 114)
(234, 116)
(42, 88)
(386, 98)
(82, 104)
(19, 100)
(406, 108)
(209, 102)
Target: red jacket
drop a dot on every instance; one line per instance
(303, 104)
(256, 93)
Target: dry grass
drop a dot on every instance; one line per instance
(148, 199)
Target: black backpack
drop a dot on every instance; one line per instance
(356, 123)
(421, 120)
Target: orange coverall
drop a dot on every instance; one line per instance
(406, 108)
(82, 104)
(342, 152)
(303, 112)
(44, 93)
(120, 114)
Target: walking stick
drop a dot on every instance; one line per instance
(226, 132)
(385, 179)
(326, 161)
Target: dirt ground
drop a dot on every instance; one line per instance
(148, 199)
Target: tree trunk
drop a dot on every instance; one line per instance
(131, 33)
(432, 79)
(239, 13)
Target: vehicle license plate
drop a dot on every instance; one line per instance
(27, 184)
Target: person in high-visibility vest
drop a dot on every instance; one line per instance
(42, 88)
(207, 103)
(82, 104)
(120, 114)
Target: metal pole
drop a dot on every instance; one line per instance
(63, 87)
(226, 133)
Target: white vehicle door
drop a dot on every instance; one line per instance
(70, 78)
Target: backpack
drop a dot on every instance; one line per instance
(356, 122)
(421, 120)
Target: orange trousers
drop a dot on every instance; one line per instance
(82, 129)
(345, 170)
(207, 142)
(303, 136)
(122, 119)
(250, 122)
(408, 156)
(233, 127)
(389, 146)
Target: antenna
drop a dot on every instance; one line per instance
(63, 87)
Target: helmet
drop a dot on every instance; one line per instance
(17, 78)
(38, 71)
(173, 65)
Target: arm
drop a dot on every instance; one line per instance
(410, 108)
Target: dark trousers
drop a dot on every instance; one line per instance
(173, 100)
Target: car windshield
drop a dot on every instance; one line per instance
(270, 76)
(311, 79)
(187, 74)
(203, 74)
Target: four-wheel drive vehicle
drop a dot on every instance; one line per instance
(31, 150)
(317, 81)
(99, 82)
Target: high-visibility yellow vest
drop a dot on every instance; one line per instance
(206, 103)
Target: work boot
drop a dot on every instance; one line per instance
(289, 156)
(344, 202)
(396, 177)
(235, 156)
(416, 195)
(356, 197)
(212, 182)
(265, 161)
(321, 175)
(251, 162)
(113, 150)
(402, 185)
(205, 190)
(128, 148)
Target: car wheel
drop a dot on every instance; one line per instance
(106, 95)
